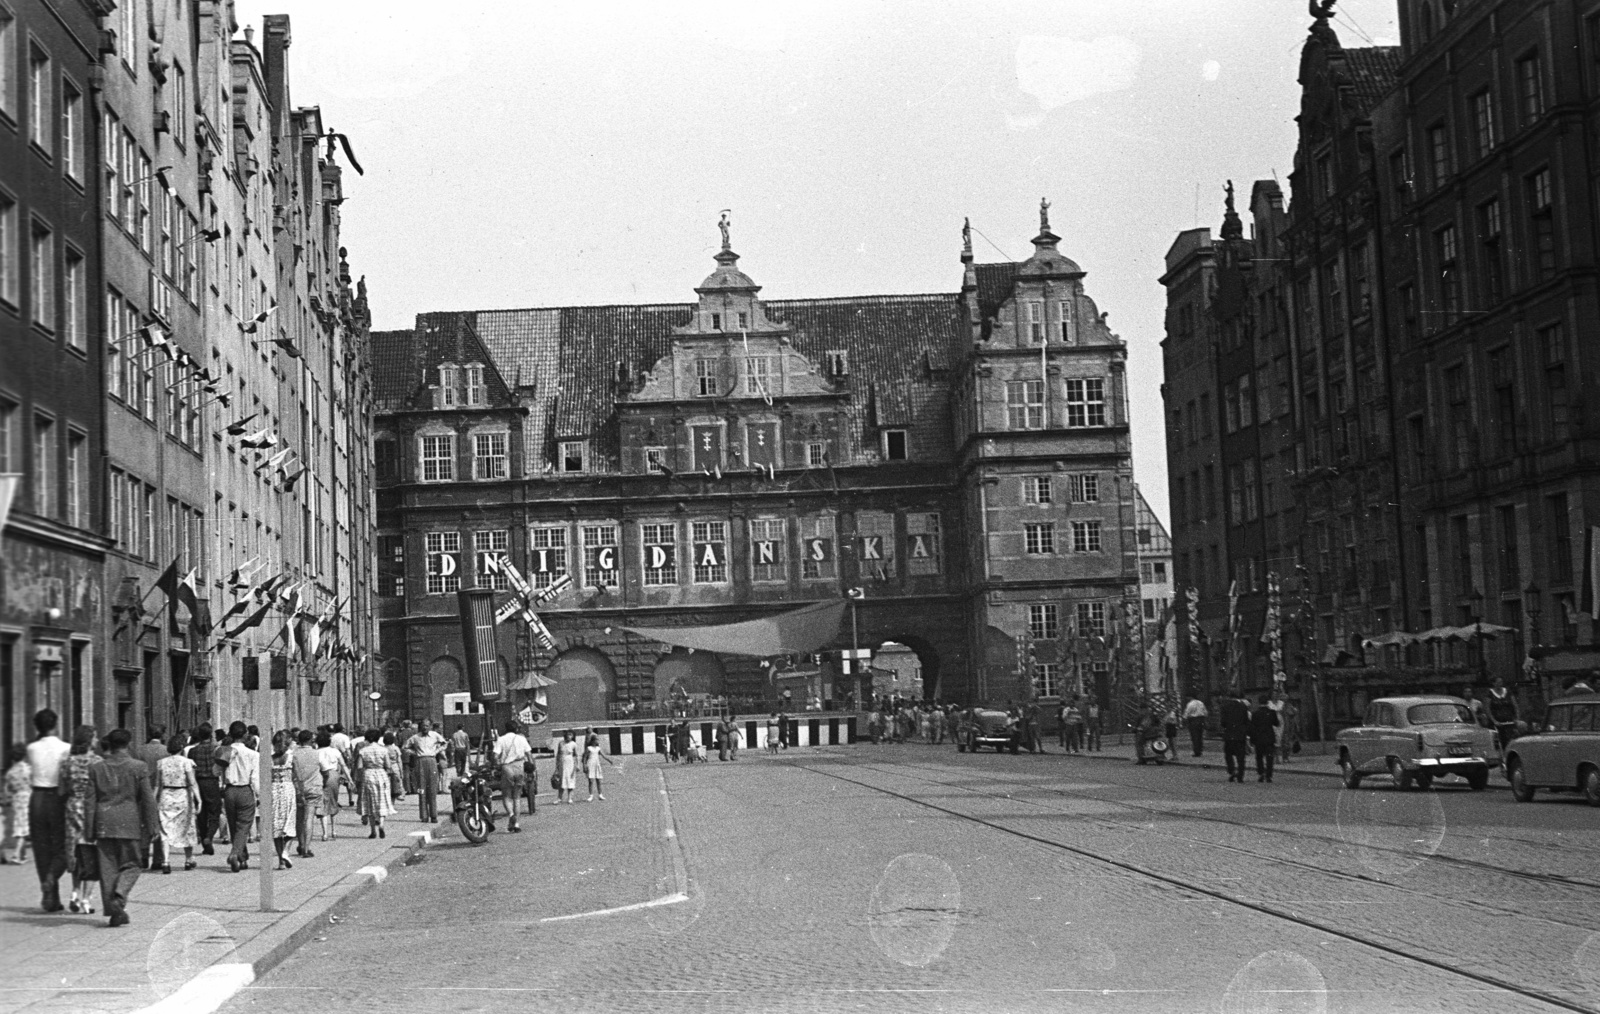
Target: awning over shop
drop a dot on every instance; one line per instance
(798, 632)
(1392, 637)
(796, 674)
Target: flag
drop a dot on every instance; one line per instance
(267, 589)
(290, 480)
(288, 633)
(239, 605)
(1591, 573)
(168, 582)
(288, 346)
(156, 338)
(313, 635)
(275, 462)
(236, 428)
(263, 437)
(254, 323)
(188, 592)
(254, 619)
(8, 489)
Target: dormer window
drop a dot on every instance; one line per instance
(744, 320)
(1036, 323)
(475, 394)
(838, 363)
(716, 322)
(449, 380)
(1066, 321)
(573, 453)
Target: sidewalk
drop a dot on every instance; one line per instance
(188, 922)
(1309, 761)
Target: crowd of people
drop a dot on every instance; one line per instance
(101, 809)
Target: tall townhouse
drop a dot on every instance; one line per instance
(53, 590)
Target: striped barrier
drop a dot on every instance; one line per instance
(648, 737)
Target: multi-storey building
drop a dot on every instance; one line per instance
(1410, 460)
(961, 460)
(52, 426)
(172, 203)
(1156, 602)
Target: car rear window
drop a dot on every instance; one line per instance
(1583, 716)
(1441, 713)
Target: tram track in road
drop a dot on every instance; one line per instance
(1156, 876)
(1474, 865)
(1358, 878)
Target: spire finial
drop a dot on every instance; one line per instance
(1232, 228)
(966, 236)
(1322, 10)
(1044, 214)
(1228, 202)
(723, 223)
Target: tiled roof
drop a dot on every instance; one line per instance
(1372, 73)
(568, 356)
(994, 286)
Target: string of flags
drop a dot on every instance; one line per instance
(154, 338)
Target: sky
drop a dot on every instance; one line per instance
(530, 154)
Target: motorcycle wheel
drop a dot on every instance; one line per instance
(472, 824)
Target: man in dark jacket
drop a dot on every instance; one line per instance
(152, 753)
(201, 751)
(1502, 709)
(1235, 719)
(120, 818)
(1264, 737)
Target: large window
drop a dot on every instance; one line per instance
(1086, 402)
(489, 455)
(72, 132)
(444, 563)
(1439, 153)
(491, 546)
(75, 298)
(10, 275)
(44, 461)
(768, 541)
(1541, 225)
(438, 458)
(1036, 322)
(1039, 538)
(1047, 679)
(42, 276)
(1086, 536)
(875, 545)
(709, 543)
(8, 62)
(1025, 404)
(924, 543)
(1091, 619)
(1530, 88)
(1483, 121)
(547, 555)
(660, 547)
(41, 118)
(1492, 256)
(1448, 253)
(1085, 487)
(600, 551)
(1036, 490)
(818, 548)
(705, 378)
(1553, 350)
(1044, 621)
(758, 376)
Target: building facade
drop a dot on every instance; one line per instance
(205, 323)
(52, 424)
(959, 460)
(1402, 451)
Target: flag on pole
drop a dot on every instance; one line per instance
(261, 438)
(254, 323)
(253, 620)
(240, 576)
(236, 428)
(168, 582)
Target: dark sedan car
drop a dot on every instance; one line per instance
(981, 727)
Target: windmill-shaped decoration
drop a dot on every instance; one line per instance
(524, 597)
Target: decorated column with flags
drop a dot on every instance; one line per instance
(1272, 629)
(1191, 601)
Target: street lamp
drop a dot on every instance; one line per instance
(1476, 598)
(855, 595)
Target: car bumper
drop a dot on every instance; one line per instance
(1445, 765)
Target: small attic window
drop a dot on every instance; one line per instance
(744, 320)
(716, 322)
(475, 393)
(449, 381)
(838, 363)
(894, 445)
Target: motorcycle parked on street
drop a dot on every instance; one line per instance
(472, 799)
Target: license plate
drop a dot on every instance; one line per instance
(1460, 749)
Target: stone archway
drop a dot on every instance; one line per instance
(585, 679)
(445, 676)
(913, 659)
(697, 672)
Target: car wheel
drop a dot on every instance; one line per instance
(961, 748)
(1424, 782)
(1478, 779)
(1397, 771)
(1521, 791)
(1591, 786)
(1352, 777)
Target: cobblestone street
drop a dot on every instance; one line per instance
(915, 878)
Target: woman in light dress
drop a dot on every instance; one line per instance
(177, 802)
(591, 767)
(377, 791)
(567, 767)
(284, 799)
(18, 797)
(83, 859)
(335, 772)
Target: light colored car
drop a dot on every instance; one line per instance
(1417, 739)
(1563, 753)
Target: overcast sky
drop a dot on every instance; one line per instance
(525, 154)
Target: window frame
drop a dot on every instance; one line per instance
(565, 457)
(592, 538)
(1025, 405)
(1039, 538)
(444, 464)
(479, 458)
(1088, 536)
(1086, 402)
(776, 571)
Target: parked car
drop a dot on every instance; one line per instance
(1562, 754)
(981, 727)
(1417, 739)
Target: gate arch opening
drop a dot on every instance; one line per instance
(585, 679)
